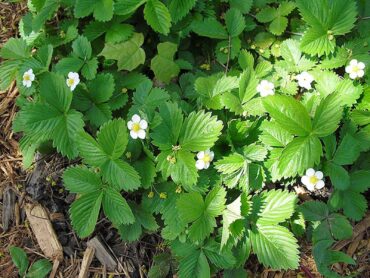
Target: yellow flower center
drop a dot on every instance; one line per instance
(314, 179)
(70, 81)
(355, 68)
(207, 158)
(266, 87)
(136, 127)
(26, 78)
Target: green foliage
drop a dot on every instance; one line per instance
(38, 269)
(190, 71)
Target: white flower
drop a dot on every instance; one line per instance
(355, 69)
(204, 159)
(304, 80)
(265, 88)
(28, 77)
(73, 80)
(137, 127)
(313, 179)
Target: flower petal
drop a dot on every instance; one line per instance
(310, 172)
(143, 124)
(353, 62)
(200, 155)
(136, 118)
(129, 124)
(199, 164)
(320, 184)
(319, 175)
(360, 73)
(133, 134)
(141, 134)
(310, 187)
(353, 75)
(305, 180)
(206, 165)
(361, 65)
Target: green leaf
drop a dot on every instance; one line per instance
(314, 210)
(210, 28)
(106, 152)
(255, 152)
(199, 131)
(338, 176)
(102, 9)
(348, 151)
(127, 7)
(167, 133)
(116, 208)
(80, 179)
(19, 258)
(277, 207)
(360, 181)
(194, 265)
(113, 138)
(235, 22)
(299, 155)
(275, 247)
(54, 90)
(15, 49)
(69, 64)
(119, 32)
(234, 169)
(129, 54)
(84, 213)
(273, 135)
(202, 218)
(224, 259)
(354, 204)
(147, 99)
(327, 116)
(162, 64)
(180, 8)
(157, 16)
(82, 48)
(39, 269)
(340, 226)
(289, 113)
(231, 214)
(327, 19)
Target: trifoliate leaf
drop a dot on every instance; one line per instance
(129, 54)
(338, 175)
(82, 48)
(348, 151)
(224, 259)
(202, 218)
(326, 21)
(340, 226)
(118, 33)
(102, 9)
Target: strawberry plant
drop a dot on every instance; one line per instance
(196, 119)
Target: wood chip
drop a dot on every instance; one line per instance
(102, 253)
(44, 232)
(86, 261)
(8, 208)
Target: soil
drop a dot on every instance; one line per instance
(42, 184)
